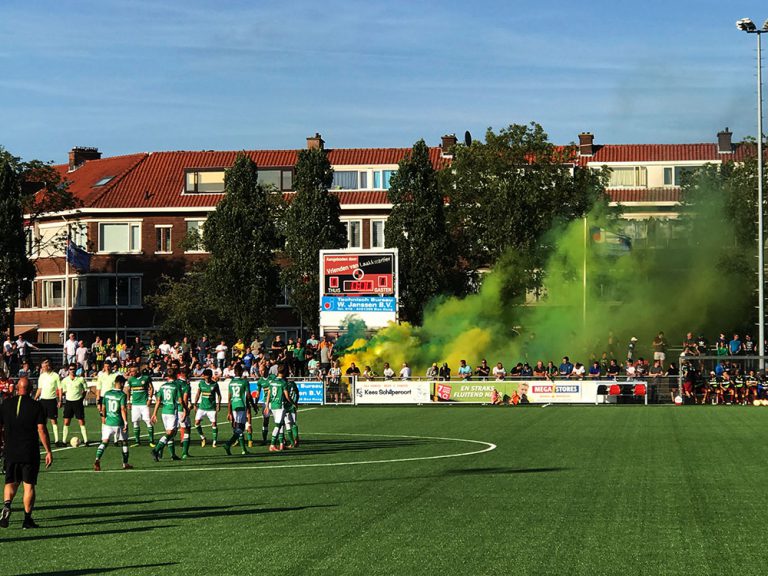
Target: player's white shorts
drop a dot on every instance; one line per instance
(140, 412)
(115, 432)
(290, 417)
(170, 421)
(210, 414)
(239, 417)
(277, 415)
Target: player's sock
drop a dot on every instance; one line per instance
(136, 432)
(249, 436)
(84, 432)
(215, 434)
(281, 438)
(274, 437)
(100, 451)
(55, 433)
(289, 435)
(295, 432)
(125, 453)
(200, 430)
(172, 447)
(151, 430)
(64, 433)
(185, 446)
(161, 445)
(241, 441)
(264, 430)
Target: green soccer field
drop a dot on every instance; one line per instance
(435, 490)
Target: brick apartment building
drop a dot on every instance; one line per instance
(136, 210)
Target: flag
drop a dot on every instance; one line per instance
(78, 257)
(612, 242)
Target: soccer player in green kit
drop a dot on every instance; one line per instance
(275, 402)
(292, 428)
(238, 411)
(74, 389)
(185, 424)
(114, 422)
(207, 399)
(140, 399)
(264, 383)
(169, 397)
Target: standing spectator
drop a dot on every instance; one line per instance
(368, 373)
(203, 347)
(388, 373)
(8, 350)
(465, 370)
(483, 371)
(221, 355)
(186, 351)
(539, 371)
(432, 372)
(136, 350)
(23, 425)
(98, 352)
(702, 345)
(312, 342)
(748, 345)
(734, 346)
(631, 349)
(23, 349)
(326, 353)
(278, 347)
(566, 367)
(300, 357)
(445, 372)
(578, 371)
(660, 347)
(690, 345)
(81, 356)
(238, 349)
(165, 348)
(334, 380)
(70, 348)
(405, 372)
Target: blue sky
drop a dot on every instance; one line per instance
(131, 76)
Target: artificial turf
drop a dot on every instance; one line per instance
(567, 490)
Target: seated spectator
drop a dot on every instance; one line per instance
(498, 371)
(369, 374)
(444, 373)
(594, 370)
(539, 371)
(432, 371)
(578, 371)
(640, 368)
(465, 370)
(526, 371)
(388, 372)
(629, 369)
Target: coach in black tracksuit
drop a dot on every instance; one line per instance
(23, 422)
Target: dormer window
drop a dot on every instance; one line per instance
(205, 181)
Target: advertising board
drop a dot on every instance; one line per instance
(393, 392)
(310, 392)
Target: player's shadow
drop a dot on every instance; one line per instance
(333, 446)
(85, 571)
(192, 512)
(82, 503)
(85, 534)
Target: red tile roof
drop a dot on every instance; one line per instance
(664, 153)
(82, 180)
(651, 195)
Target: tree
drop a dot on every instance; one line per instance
(242, 238)
(509, 191)
(16, 270)
(312, 224)
(417, 228)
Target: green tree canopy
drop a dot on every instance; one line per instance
(417, 228)
(312, 224)
(242, 238)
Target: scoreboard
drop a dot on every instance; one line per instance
(360, 284)
(359, 274)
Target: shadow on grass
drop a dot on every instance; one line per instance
(83, 503)
(165, 514)
(500, 471)
(82, 534)
(84, 571)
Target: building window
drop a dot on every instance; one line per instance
(99, 291)
(278, 179)
(204, 181)
(629, 176)
(377, 233)
(381, 179)
(345, 179)
(53, 294)
(354, 237)
(52, 239)
(678, 175)
(119, 237)
(29, 300)
(193, 240)
(163, 239)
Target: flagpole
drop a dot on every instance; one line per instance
(66, 290)
(584, 280)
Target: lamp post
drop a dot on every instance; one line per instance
(746, 25)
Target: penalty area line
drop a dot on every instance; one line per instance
(488, 447)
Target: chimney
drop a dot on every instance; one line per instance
(80, 154)
(586, 144)
(448, 143)
(315, 142)
(724, 144)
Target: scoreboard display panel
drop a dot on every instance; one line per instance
(364, 274)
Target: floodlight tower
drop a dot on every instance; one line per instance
(746, 25)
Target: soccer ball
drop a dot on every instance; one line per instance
(75, 442)
(678, 400)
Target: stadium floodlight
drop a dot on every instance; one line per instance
(748, 26)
